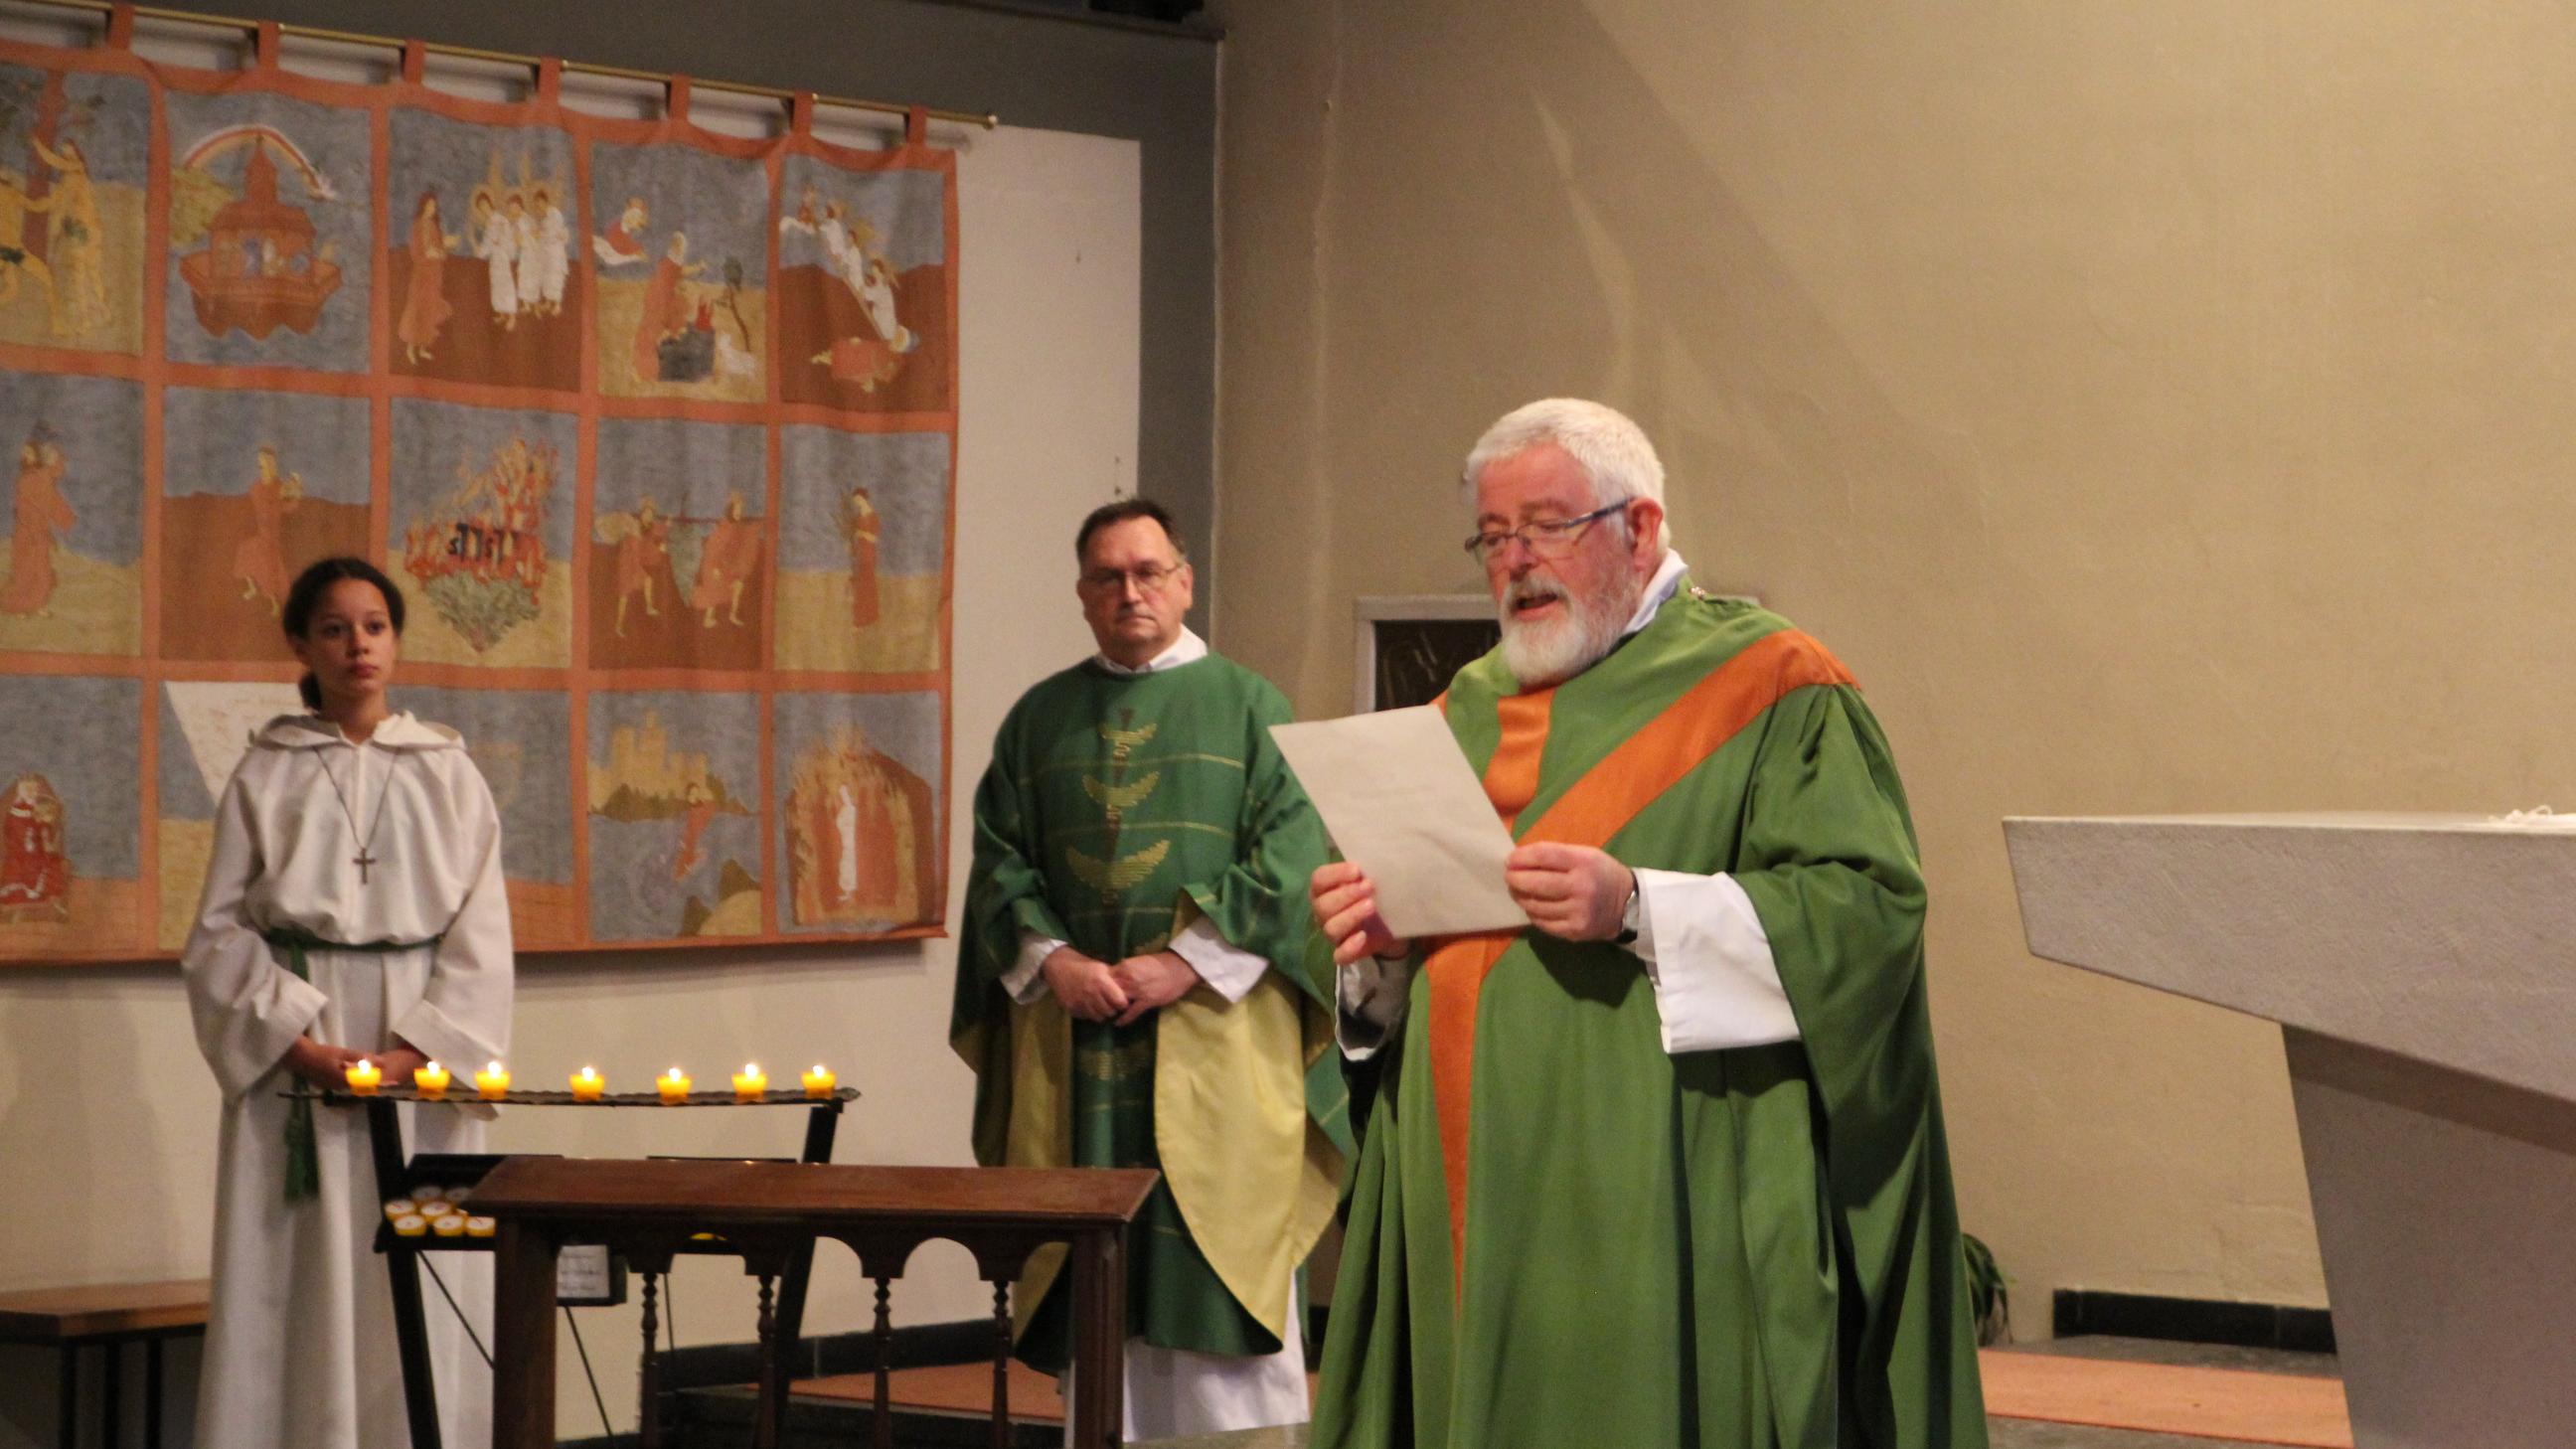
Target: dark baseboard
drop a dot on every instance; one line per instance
(2192, 1320)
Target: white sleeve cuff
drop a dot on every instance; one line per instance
(1023, 981)
(1228, 969)
(1373, 992)
(245, 1045)
(1716, 984)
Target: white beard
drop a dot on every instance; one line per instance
(1554, 652)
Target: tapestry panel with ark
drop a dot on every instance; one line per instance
(654, 427)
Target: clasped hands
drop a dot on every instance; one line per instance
(1573, 892)
(1100, 991)
(325, 1065)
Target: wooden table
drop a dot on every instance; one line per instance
(108, 1315)
(399, 1174)
(768, 1213)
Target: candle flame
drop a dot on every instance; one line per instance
(751, 1069)
(675, 1074)
(494, 1068)
(433, 1067)
(818, 1069)
(587, 1074)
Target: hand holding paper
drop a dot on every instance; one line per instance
(1344, 902)
(1402, 803)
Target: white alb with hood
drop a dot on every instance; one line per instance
(300, 1345)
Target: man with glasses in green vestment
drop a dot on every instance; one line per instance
(1666, 1167)
(1133, 989)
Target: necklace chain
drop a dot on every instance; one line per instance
(366, 844)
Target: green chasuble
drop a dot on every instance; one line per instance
(1117, 810)
(1560, 1233)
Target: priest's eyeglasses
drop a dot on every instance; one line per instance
(1543, 537)
(1147, 579)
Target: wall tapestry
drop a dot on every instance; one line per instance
(656, 428)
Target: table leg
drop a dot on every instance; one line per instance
(1099, 1338)
(881, 1423)
(523, 1339)
(773, 1387)
(1001, 1363)
(411, 1344)
(791, 1328)
(67, 1399)
(152, 1393)
(1113, 1336)
(648, 1376)
(821, 1122)
(111, 1396)
(402, 1267)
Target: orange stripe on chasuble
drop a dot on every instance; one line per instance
(1459, 965)
(1631, 777)
(1691, 728)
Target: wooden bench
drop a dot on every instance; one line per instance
(108, 1315)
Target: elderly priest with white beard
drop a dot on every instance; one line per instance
(1667, 1166)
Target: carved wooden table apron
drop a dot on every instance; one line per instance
(768, 1213)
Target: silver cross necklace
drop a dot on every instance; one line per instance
(366, 855)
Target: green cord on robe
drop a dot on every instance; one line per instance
(303, 1157)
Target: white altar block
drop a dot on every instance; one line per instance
(2423, 971)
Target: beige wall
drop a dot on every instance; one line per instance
(2158, 405)
(107, 1113)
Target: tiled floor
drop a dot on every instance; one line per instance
(2031, 1434)
(2003, 1433)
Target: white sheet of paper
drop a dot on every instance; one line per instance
(1402, 802)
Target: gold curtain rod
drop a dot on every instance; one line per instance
(987, 120)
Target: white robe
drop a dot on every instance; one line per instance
(498, 246)
(545, 247)
(877, 295)
(300, 1347)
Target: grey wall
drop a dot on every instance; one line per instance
(1152, 84)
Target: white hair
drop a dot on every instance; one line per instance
(1611, 448)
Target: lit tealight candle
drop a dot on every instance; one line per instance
(751, 1083)
(587, 1085)
(492, 1084)
(820, 1082)
(450, 1226)
(410, 1225)
(481, 1227)
(364, 1077)
(430, 1081)
(674, 1087)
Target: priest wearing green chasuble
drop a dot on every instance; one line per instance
(1667, 1166)
(1133, 989)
